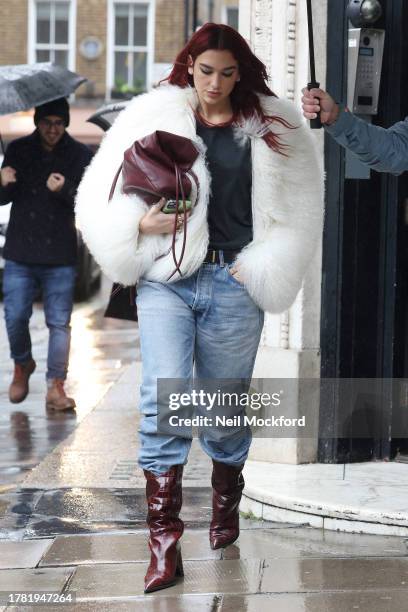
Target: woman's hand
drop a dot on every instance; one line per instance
(157, 222)
(235, 273)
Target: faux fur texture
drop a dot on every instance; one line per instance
(287, 201)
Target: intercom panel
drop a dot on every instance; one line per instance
(365, 55)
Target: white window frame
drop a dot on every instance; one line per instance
(225, 8)
(111, 47)
(32, 33)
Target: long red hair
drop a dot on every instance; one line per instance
(253, 75)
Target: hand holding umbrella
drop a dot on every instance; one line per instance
(316, 123)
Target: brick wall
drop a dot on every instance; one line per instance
(169, 36)
(92, 21)
(13, 31)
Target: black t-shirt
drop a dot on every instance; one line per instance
(230, 210)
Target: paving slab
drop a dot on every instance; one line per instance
(120, 548)
(308, 542)
(301, 575)
(363, 601)
(204, 577)
(50, 579)
(274, 543)
(184, 603)
(22, 554)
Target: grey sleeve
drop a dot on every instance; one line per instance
(385, 150)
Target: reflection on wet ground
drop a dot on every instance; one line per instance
(100, 349)
(33, 513)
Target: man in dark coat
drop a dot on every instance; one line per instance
(40, 175)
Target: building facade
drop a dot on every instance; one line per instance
(122, 47)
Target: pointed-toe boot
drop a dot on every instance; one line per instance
(227, 482)
(164, 499)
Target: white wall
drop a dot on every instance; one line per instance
(277, 31)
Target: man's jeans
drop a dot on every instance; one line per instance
(208, 317)
(21, 283)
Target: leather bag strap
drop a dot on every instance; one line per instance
(114, 182)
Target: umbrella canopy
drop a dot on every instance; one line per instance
(28, 85)
(105, 116)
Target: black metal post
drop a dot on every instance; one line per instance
(195, 15)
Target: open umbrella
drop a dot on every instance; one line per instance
(315, 124)
(27, 85)
(105, 116)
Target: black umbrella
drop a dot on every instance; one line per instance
(315, 124)
(105, 116)
(28, 85)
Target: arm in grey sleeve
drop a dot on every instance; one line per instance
(385, 150)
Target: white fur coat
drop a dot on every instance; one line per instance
(287, 202)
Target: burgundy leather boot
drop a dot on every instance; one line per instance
(164, 499)
(227, 482)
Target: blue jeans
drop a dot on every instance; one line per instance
(208, 318)
(21, 283)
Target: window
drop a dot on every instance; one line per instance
(231, 16)
(51, 32)
(132, 51)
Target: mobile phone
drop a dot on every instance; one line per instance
(171, 205)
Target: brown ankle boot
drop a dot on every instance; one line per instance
(56, 397)
(18, 390)
(164, 499)
(227, 482)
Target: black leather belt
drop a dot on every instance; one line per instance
(218, 257)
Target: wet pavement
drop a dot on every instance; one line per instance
(100, 349)
(72, 509)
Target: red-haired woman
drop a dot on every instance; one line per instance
(252, 231)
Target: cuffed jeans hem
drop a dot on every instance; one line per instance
(22, 360)
(55, 374)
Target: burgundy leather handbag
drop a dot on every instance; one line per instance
(159, 166)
